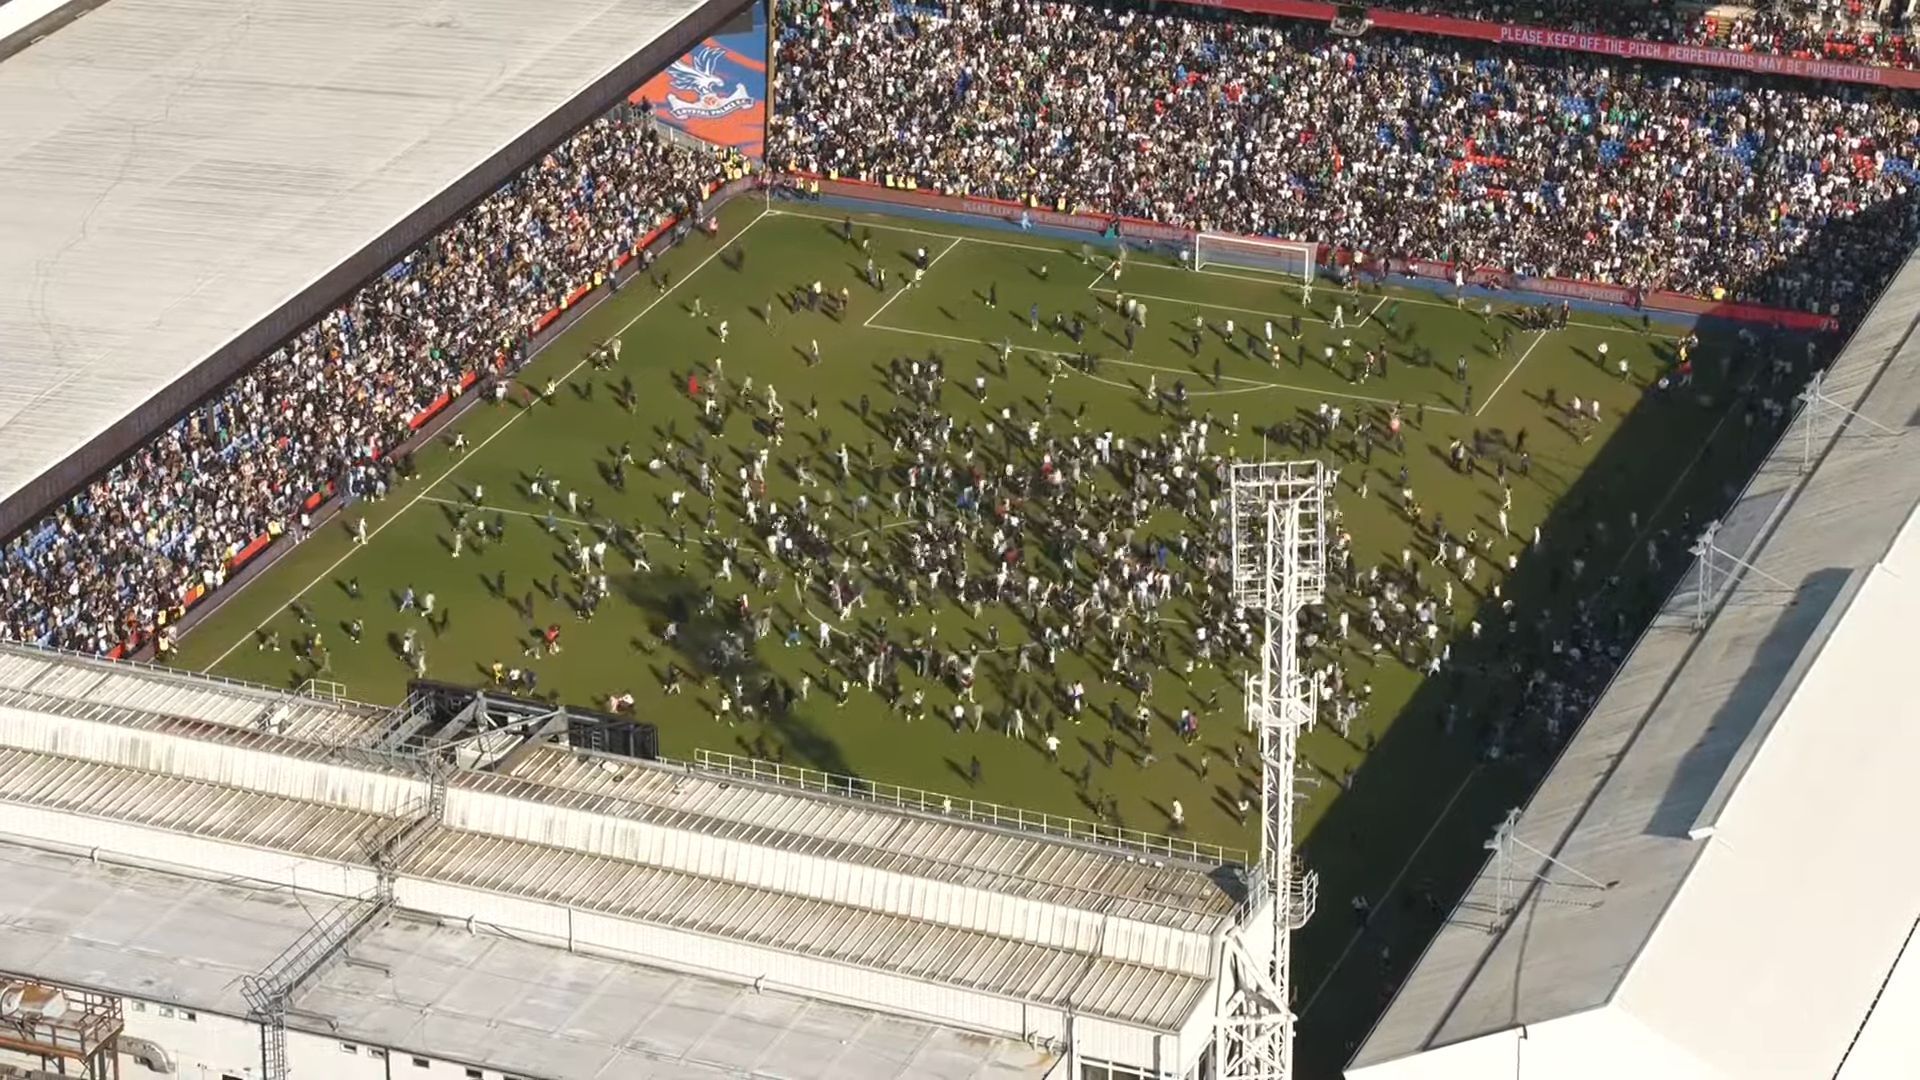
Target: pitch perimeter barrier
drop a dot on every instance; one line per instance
(1154, 235)
(1798, 65)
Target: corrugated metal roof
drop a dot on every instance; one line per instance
(191, 807)
(176, 170)
(1014, 915)
(953, 904)
(1683, 718)
(467, 996)
(1007, 967)
(1003, 966)
(205, 731)
(1049, 871)
(167, 692)
(1170, 894)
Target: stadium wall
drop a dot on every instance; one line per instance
(112, 446)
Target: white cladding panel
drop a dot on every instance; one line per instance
(256, 770)
(829, 880)
(189, 807)
(126, 842)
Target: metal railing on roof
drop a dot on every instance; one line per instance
(968, 809)
(178, 676)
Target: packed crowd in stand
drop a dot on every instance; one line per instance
(1786, 193)
(326, 406)
(1786, 33)
(1853, 31)
(1549, 164)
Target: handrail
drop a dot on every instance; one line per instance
(966, 808)
(174, 674)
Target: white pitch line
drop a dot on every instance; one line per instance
(1262, 312)
(1275, 281)
(461, 504)
(1381, 904)
(1421, 301)
(481, 445)
(922, 232)
(1247, 385)
(1652, 519)
(1538, 338)
(905, 285)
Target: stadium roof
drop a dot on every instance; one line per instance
(1746, 789)
(484, 999)
(188, 182)
(912, 912)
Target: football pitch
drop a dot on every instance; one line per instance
(1397, 807)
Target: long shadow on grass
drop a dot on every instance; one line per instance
(716, 648)
(1437, 753)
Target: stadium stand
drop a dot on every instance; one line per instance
(1394, 145)
(1842, 30)
(986, 935)
(145, 538)
(1546, 164)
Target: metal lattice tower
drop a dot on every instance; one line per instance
(1279, 568)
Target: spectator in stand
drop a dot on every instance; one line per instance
(1862, 32)
(121, 556)
(1789, 193)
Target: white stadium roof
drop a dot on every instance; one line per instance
(483, 999)
(187, 181)
(1747, 793)
(970, 930)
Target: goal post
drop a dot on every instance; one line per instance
(1292, 259)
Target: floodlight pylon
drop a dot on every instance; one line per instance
(1278, 537)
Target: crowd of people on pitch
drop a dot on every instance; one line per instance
(120, 556)
(1785, 192)
(1851, 31)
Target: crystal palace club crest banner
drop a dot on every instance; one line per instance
(718, 92)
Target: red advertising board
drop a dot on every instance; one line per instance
(1760, 63)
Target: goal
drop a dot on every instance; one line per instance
(1294, 260)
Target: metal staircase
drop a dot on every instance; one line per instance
(271, 993)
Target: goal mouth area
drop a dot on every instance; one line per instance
(1291, 260)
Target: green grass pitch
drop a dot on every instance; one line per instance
(1401, 804)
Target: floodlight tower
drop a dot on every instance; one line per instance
(1277, 511)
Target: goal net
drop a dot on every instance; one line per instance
(1294, 260)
